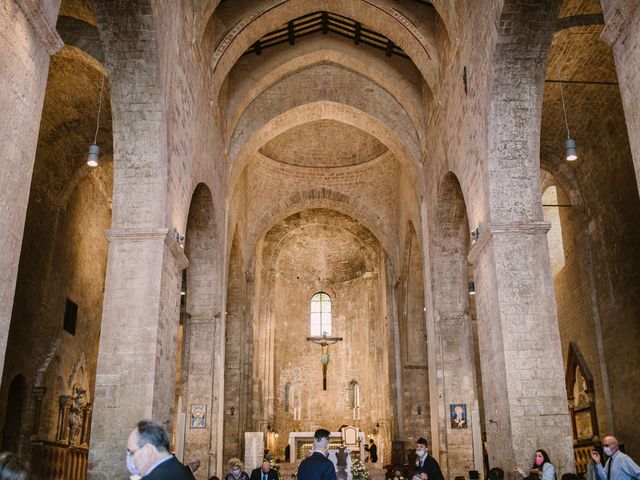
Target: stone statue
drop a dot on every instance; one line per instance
(75, 413)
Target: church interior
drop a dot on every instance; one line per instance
(315, 213)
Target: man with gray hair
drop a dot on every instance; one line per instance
(619, 466)
(148, 454)
(317, 466)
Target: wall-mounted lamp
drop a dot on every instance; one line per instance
(472, 288)
(475, 235)
(569, 143)
(94, 149)
(179, 238)
(231, 411)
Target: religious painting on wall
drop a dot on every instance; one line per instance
(458, 412)
(198, 416)
(584, 430)
(580, 393)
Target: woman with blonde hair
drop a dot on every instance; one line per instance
(236, 470)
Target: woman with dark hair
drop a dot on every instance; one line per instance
(12, 468)
(542, 467)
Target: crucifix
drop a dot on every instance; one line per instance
(324, 341)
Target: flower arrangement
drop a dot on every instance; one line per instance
(359, 471)
(275, 467)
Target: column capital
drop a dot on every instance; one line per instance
(41, 26)
(491, 229)
(143, 234)
(619, 16)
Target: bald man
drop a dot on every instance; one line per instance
(619, 466)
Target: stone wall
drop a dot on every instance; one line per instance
(63, 250)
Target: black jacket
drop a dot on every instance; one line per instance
(256, 474)
(316, 467)
(431, 467)
(172, 469)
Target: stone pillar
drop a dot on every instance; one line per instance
(203, 333)
(622, 18)
(28, 40)
(525, 401)
(64, 404)
(86, 425)
(392, 308)
(136, 370)
(456, 374)
(38, 395)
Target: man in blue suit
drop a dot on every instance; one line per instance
(317, 466)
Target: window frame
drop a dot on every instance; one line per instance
(320, 317)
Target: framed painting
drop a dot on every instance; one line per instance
(198, 416)
(458, 415)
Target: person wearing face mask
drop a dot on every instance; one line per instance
(148, 455)
(426, 462)
(236, 470)
(619, 466)
(542, 467)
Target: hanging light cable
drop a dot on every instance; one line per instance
(569, 143)
(94, 149)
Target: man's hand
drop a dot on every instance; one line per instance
(595, 456)
(194, 464)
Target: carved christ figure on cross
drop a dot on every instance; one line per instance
(324, 341)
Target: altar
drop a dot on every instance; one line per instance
(301, 443)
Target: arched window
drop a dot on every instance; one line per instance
(320, 318)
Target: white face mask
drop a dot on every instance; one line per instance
(607, 451)
(421, 453)
(133, 470)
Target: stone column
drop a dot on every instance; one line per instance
(525, 401)
(38, 395)
(136, 370)
(202, 380)
(27, 41)
(64, 403)
(622, 18)
(86, 425)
